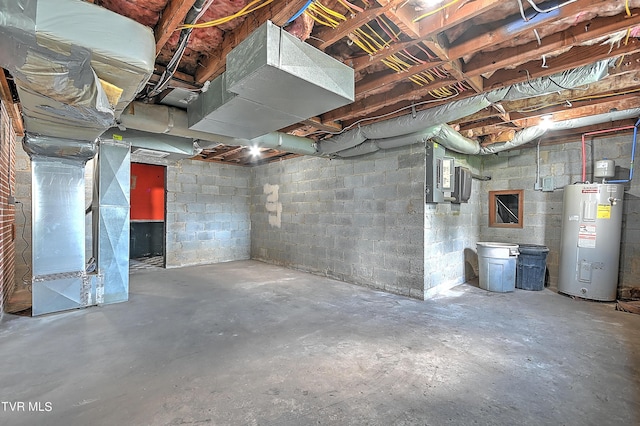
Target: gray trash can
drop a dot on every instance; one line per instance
(531, 266)
(497, 266)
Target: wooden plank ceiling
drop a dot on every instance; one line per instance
(416, 54)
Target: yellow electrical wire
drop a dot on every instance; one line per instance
(251, 7)
(330, 11)
(324, 15)
(626, 7)
(318, 20)
(320, 14)
(436, 10)
(383, 18)
(385, 43)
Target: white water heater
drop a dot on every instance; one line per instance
(590, 246)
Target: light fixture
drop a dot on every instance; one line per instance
(254, 151)
(546, 121)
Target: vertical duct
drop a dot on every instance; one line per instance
(59, 280)
(111, 220)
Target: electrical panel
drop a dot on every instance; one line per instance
(462, 187)
(439, 174)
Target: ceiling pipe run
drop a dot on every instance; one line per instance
(446, 136)
(434, 117)
(172, 121)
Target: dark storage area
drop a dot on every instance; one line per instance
(146, 239)
(531, 267)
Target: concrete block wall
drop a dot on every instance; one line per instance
(357, 220)
(516, 169)
(208, 218)
(450, 236)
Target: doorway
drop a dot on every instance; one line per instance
(147, 227)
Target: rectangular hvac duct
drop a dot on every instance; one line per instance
(272, 80)
(58, 234)
(111, 199)
(224, 113)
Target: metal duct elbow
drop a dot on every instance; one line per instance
(285, 142)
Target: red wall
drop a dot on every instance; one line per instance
(147, 192)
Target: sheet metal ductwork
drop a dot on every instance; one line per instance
(161, 119)
(76, 65)
(431, 121)
(270, 79)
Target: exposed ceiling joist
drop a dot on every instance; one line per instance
(172, 16)
(12, 109)
(278, 12)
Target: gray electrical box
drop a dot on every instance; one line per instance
(439, 175)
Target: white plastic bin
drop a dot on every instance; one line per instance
(497, 266)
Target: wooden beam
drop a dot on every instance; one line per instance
(451, 16)
(604, 107)
(12, 109)
(609, 85)
(510, 56)
(514, 26)
(381, 79)
(237, 154)
(358, 64)
(402, 92)
(429, 28)
(329, 36)
(573, 135)
(278, 12)
(402, 17)
(326, 126)
(172, 16)
(179, 79)
(576, 57)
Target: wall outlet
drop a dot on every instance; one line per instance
(11, 199)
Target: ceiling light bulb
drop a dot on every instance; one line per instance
(546, 121)
(254, 151)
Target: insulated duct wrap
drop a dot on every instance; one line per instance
(161, 119)
(76, 65)
(158, 145)
(561, 81)
(431, 123)
(46, 146)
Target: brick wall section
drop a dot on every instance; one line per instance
(23, 216)
(7, 209)
(356, 220)
(207, 213)
(543, 210)
(450, 236)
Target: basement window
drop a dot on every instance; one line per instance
(505, 208)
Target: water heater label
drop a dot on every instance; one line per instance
(587, 236)
(604, 211)
(590, 190)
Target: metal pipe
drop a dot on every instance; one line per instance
(633, 155)
(600, 132)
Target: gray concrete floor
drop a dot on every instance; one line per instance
(249, 343)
